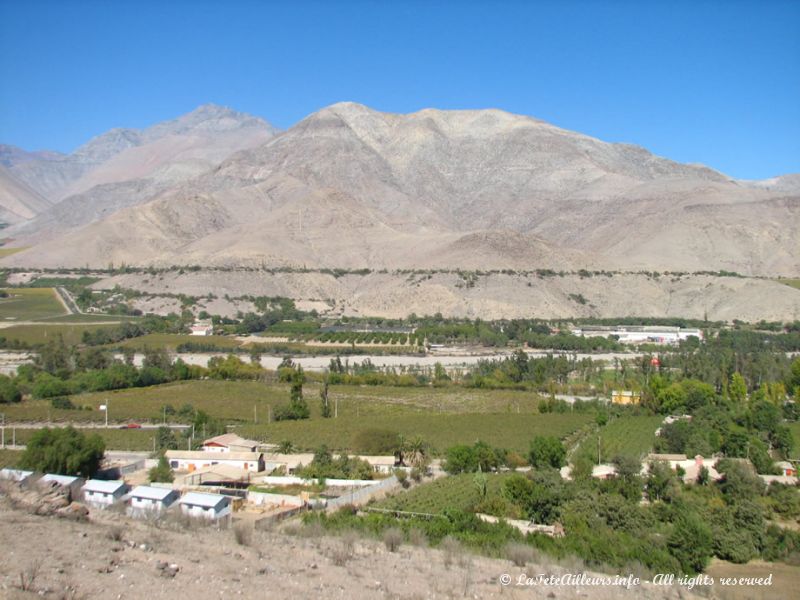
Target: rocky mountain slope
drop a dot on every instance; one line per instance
(353, 187)
(18, 202)
(124, 167)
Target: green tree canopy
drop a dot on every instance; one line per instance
(65, 451)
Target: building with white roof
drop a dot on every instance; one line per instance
(100, 493)
(230, 442)
(202, 327)
(74, 484)
(206, 506)
(17, 475)
(186, 460)
(148, 500)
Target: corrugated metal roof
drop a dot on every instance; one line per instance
(230, 439)
(151, 493)
(204, 500)
(60, 479)
(105, 487)
(209, 456)
(15, 474)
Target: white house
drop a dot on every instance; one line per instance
(15, 475)
(100, 493)
(206, 506)
(148, 500)
(186, 460)
(381, 464)
(229, 442)
(202, 328)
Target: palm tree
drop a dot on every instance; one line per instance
(416, 451)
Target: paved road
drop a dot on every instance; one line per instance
(67, 301)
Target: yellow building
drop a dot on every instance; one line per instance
(625, 397)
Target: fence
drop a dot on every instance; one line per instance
(364, 494)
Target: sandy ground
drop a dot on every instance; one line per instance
(84, 560)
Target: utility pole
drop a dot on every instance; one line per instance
(598, 448)
(3, 429)
(255, 413)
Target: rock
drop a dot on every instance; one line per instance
(74, 511)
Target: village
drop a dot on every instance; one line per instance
(232, 479)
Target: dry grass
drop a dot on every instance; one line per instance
(28, 576)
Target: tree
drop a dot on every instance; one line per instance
(161, 472)
(285, 447)
(65, 451)
(417, 452)
(165, 440)
(460, 459)
(323, 396)
(547, 451)
(9, 392)
(691, 542)
(737, 389)
(297, 408)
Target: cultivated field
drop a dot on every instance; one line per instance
(505, 430)
(442, 416)
(115, 439)
(456, 491)
(171, 341)
(28, 304)
(627, 436)
(71, 333)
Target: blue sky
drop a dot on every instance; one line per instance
(710, 82)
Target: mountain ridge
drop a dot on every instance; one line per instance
(349, 186)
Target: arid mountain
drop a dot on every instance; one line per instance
(124, 167)
(18, 202)
(352, 187)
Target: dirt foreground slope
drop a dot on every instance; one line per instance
(84, 560)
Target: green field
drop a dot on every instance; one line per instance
(628, 436)
(455, 491)
(171, 341)
(9, 458)
(40, 334)
(795, 283)
(442, 416)
(505, 430)
(115, 438)
(795, 429)
(29, 304)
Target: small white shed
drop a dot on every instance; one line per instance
(16, 475)
(206, 506)
(145, 499)
(100, 493)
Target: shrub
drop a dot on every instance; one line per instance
(519, 554)
(417, 537)
(243, 534)
(392, 538)
(402, 477)
(115, 533)
(451, 548)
